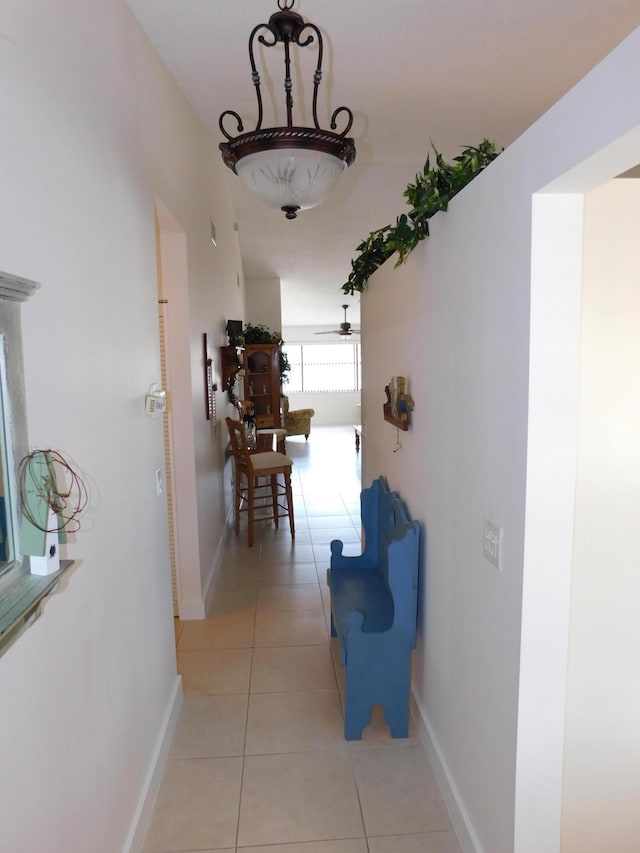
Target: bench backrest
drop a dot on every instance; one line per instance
(392, 542)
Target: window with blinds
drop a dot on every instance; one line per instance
(323, 367)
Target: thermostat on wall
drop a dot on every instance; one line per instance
(156, 401)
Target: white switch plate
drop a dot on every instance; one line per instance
(492, 543)
(158, 482)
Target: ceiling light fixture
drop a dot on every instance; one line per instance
(293, 168)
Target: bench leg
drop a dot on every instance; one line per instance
(396, 700)
(396, 716)
(356, 718)
(378, 672)
(357, 694)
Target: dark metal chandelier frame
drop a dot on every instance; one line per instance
(289, 28)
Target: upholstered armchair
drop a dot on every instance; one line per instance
(297, 422)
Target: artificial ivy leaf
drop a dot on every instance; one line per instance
(432, 191)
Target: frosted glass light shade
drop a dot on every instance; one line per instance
(290, 178)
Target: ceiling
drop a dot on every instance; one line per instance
(413, 72)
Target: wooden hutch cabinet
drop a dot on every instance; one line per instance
(261, 363)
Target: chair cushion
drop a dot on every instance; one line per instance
(269, 459)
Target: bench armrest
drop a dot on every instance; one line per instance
(343, 561)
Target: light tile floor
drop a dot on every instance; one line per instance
(258, 760)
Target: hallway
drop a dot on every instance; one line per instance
(258, 760)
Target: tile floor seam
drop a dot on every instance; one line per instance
(244, 750)
(357, 787)
(246, 723)
(246, 720)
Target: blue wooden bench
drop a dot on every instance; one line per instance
(374, 603)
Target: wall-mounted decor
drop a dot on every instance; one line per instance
(432, 191)
(399, 403)
(210, 386)
(234, 332)
(49, 511)
(230, 366)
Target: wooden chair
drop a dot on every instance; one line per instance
(249, 494)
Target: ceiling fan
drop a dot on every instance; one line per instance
(345, 329)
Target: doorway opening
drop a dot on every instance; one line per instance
(569, 472)
(175, 353)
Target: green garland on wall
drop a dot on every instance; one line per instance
(432, 191)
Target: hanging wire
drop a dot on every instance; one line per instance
(65, 505)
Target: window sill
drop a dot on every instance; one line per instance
(21, 595)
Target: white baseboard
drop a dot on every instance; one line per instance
(208, 592)
(446, 783)
(144, 809)
(198, 609)
(191, 609)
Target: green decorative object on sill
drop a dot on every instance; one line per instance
(48, 510)
(39, 499)
(432, 191)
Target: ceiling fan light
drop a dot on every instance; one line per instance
(290, 179)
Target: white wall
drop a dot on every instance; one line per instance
(94, 129)
(488, 337)
(264, 307)
(340, 408)
(602, 748)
